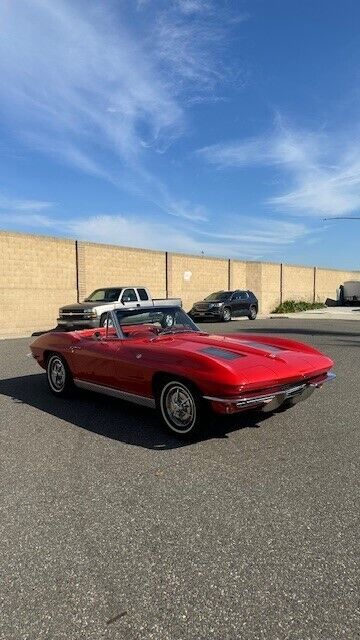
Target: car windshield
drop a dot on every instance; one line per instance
(159, 320)
(219, 296)
(104, 295)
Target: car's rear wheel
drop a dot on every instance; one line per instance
(181, 408)
(252, 313)
(59, 376)
(226, 314)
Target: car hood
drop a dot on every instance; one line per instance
(207, 303)
(82, 306)
(260, 361)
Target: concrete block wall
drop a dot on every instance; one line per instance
(328, 280)
(102, 265)
(192, 278)
(237, 272)
(297, 283)
(39, 274)
(270, 291)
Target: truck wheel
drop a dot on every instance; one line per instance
(58, 375)
(181, 408)
(226, 314)
(103, 320)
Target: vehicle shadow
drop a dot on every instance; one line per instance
(295, 331)
(112, 418)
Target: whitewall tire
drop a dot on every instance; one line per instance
(181, 408)
(58, 375)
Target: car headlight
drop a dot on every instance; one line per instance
(216, 304)
(91, 314)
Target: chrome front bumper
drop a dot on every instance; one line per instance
(270, 402)
(91, 323)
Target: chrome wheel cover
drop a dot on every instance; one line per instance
(227, 314)
(56, 374)
(106, 323)
(178, 407)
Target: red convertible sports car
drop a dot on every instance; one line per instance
(159, 358)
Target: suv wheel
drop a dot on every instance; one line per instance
(226, 315)
(252, 313)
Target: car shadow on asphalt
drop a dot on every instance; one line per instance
(115, 419)
(295, 331)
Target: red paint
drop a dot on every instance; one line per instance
(130, 365)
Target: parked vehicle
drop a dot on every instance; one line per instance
(93, 311)
(159, 358)
(349, 293)
(224, 305)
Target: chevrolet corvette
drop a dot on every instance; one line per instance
(159, 358)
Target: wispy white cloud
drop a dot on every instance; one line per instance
(189, 49)
(206, 99)
(261, 238)
(321, 172)
(193, 6)
(28, 222)
(134, 231)
(262, 232)
(184, 209)
(66, 71)
(15, 204)
(279, 148)
(80, 85)
(332, 191)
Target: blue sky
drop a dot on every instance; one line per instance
(225, 127)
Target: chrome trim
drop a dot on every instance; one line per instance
(65, 314)
(264, 399)
(115, 393)
(116, 324)
(256, 399)
(329, 378)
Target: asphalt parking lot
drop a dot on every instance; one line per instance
(111, 529)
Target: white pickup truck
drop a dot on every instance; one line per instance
(93, 311)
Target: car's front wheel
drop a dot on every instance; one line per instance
(252, 313)
(181, 408)
(226, 314)
(59, 376)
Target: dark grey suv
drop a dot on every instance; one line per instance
(224, 305)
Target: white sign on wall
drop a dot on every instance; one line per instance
(187, 276)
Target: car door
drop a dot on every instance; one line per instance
(132, 370)
(143, 297)
(235, 303)
(243, 303)
(93, 359)
(129, 298)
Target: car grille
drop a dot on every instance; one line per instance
(202, 306)
(75, 314)
(291, 385)
(75, 311)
